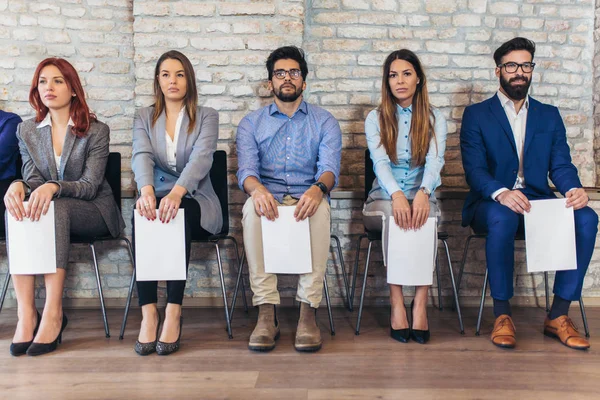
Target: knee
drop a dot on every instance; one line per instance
(503, 221)
(586, 222)
(323, 211)
(248, 213)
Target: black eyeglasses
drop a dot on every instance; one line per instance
(294, 73)
(512, 67)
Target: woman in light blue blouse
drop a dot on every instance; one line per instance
(407, 140)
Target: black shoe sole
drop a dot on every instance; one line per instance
(308, 349)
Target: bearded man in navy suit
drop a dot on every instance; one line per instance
(511, 144)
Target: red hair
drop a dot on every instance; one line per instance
(78, 111)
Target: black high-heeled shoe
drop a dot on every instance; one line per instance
(164, 349)
(37, 349)
(18, 349)
(401, 335)
(418, 335)
(143, 349)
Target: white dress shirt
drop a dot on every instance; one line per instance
(48, 122)
(518, 125)
(172, 143)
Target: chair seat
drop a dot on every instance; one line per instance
(376, 235)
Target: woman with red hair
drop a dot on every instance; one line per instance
(64, 151)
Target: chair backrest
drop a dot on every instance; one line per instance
(19, 166)
(369, 173)
(113, 175)
(218, 178)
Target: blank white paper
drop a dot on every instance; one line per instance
(411, 254)
(550, 236)
(286, 243)
(160, 248)
(32, 245)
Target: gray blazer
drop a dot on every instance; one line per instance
(82, 167)
(194, 160)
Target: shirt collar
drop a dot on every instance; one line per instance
(505, 101)
(402, 109)
(273, 109)
(48, 121)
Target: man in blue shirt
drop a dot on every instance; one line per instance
(288, 155)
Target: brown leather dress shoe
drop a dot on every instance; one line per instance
(564, 330)
(503, 334)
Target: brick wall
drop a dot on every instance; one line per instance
(114, 44)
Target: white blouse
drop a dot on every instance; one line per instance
(172, 144)
(48, 122)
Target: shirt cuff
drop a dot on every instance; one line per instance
(497, 192)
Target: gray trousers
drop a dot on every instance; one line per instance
(74, 217)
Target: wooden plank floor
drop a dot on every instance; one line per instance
(369, 366)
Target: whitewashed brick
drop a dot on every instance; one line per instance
(440, 6)
(212, 89)
(193, 9)
(336, 18)
(219, 27)
(224, 43)
(43, 8)
(150, 8)
(478, 6)
(445, 47)
(246, 9)
(384, 5)
(466, 20)
(246, 27)
(504, 8)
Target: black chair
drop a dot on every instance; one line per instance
(376, 236)
(485, 283)
(113, 177)
(218, 177)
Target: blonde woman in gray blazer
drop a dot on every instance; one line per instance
(173, 145)
(64, 151)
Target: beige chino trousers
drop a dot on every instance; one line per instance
(264, 285)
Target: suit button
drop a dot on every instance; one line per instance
(514, 171)
(162, 178)
(193, 192)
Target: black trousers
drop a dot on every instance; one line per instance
(147, 290)
(4, 184)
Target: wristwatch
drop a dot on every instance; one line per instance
(321, 186)
(425, 190)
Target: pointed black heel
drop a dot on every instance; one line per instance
(419, 336)
(164, 349)
(37, 349)
(401, 335)
(18, 349)
(143, 349)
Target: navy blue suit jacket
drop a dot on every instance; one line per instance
(9, 148)
(489, 153)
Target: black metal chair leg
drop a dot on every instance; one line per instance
(328, 301)
(4, 288)
(364, 288)
(100, 294)
(454, 288)
(237, 259)
(342, 267)
(225, 305)
(439, 283)
(355, 272)
(547, 292)
(131, 286)
(482, 303)
(464, 261)
(584, 317)
(237, 285)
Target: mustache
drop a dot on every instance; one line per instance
(518, 78)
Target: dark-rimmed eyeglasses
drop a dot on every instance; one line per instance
(294, 73)
(512, 67)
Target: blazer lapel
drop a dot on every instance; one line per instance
(66, 152)
(500, 115)
(532, 118)
(159, 132)
(48, 150)
(181, 142)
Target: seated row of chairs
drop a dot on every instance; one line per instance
(218, 174)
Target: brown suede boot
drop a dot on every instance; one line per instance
(266, 331)
(308, 335)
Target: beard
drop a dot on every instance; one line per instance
(518, 92)
(288, 97)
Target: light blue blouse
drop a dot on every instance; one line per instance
(404, 176)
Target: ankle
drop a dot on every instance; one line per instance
(173, 311)
(26, 313)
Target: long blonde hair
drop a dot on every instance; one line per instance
(191, 95)
(423, 121)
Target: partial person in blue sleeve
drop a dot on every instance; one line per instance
(406, 137)
(9, 152)
(288, 155)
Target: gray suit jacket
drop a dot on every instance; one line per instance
(82, 167)
(194, 160)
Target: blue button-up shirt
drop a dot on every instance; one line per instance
(288, 154)
(403, 175)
